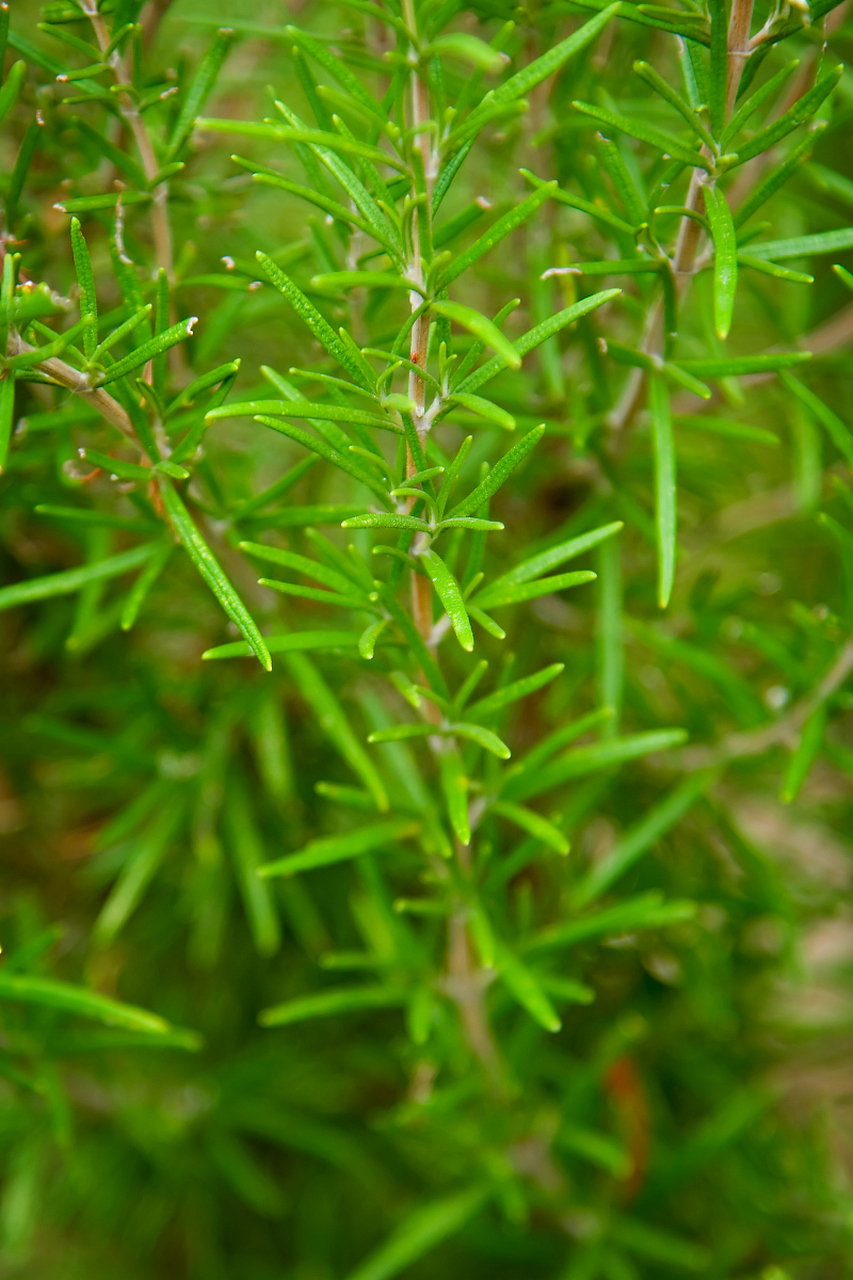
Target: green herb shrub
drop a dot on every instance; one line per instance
(427, 576)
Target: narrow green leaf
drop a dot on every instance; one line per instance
(533, 823)
(322, 853)
(481, 327)
(523, 984)
(333, 722)
(149, 350)
(499, 473)
(636, 841)
(402, 732)
(209, 568)
(644, 133)
(197, 94)
(561, 738)
(733, 430)
(248, 854)
(326, 1004)
(450, 595)
(483, 737)
(773, 269)
(805, 754)
(498, 231)
(736, 366)
(290, 560)
(590, 759)
(483, 408)
(664, 467)
(510, 693)
(71, 580)
(29, 989)
(804, 246)
(493, 599)
(454, 785)
(126, 894)
(389, 521)
(645, 911)
(322, 330)
(718, 66)
(295, 641)
(7, 415)
(12, 87)
(86, 281)
(674, 98)
(838, 432)
(796, 115)
(419, 1233)
(536, 336)
(755, 100)
(725, 259)
(143, 584)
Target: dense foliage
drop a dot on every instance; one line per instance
(410, 659)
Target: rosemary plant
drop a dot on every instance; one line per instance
(505, 992)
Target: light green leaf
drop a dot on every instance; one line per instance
(482, 328)
(86, 281)
(419, 1233)
(247, 852)
(644, 911)
(590, 759)
(450, 595)
(196, 96)
(805, 754)
(773, 269)
(143, 584)
(126, 894)
(510, 693)
(674, 98)
(391, 520)
(493, 599)
(634, 843)
(523, 984)
(804, 246)
(737, 366)
(796, 115)
(725, 259)
(467, 48)
(324, 852)
(498, 474)
(498, 231)
(533, 823)
(483, 408)
(30, 989)
(454, 785)
(368, 638)
(664, 464)
(838, 432)
(645, 133)
(326, 1004)
(147, 351)
(313, 688)
(483, 737)
(71, 580)
(295, 642)
(7, 415)
(209, 568)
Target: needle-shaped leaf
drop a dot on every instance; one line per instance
(481, 327)
(322, 853)
(645, 133)
(450, 595)
(368, 638)
(14, 83)
(591, 759)
(86, 281)
(656, 81)
(71, 580)
(644, 911)
(639, 838)
(311, 568)
(536, 565)
(526, 988)
(344, 461)
(796, 115)
(52, 994)
(197, 94)
(483, 737)
(561, 737)
(320, 327)
(805, 754)
(402, 732)
(725, 258)
(773, 269)
(777, 177)
(498, 231)
(334, 723)
(755, 100)
(804, 246)
(295, 641)
(536, 336)
(143, 584)
(736, 366)
(454, 784)
(149, 350)
(664, 469)
(419, 1233)
(838, 432)
(533, 823)
(247, 852)
(510, 693)
(326, 1004)
(718, 66)
(493, 598)
(7, 414)
(148, 853)
(209, 568)
(501, 471)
